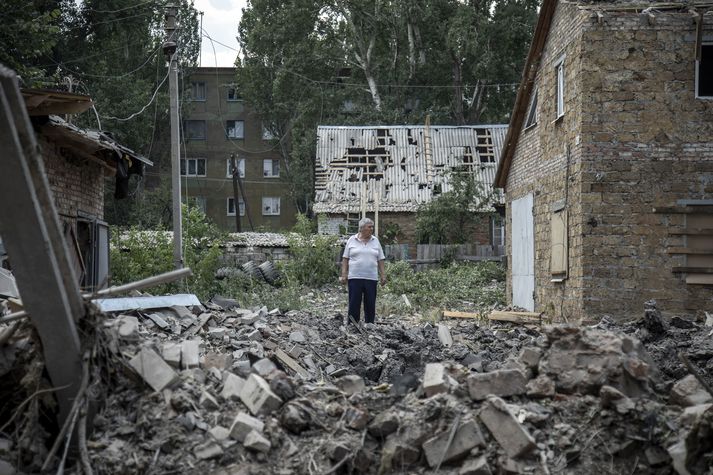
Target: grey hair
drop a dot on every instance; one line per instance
(363, 222)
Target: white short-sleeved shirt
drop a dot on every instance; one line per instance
(363, 258)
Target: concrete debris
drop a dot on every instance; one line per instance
(153, 369)
(258, 397)
(510, 434)
(689, 392)
(438, 449)
(274, 392)
(505, 382)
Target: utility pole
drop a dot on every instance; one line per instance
(169, 49)
(236, 174)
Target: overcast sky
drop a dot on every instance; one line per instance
(220, 22)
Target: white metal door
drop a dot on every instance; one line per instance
(523, 253)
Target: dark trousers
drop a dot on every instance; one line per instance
(362, 289)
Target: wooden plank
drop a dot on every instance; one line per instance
(686, 250)
(696, 270)
(515, 317)
(699, 279)
(288, 361)
(454, 314)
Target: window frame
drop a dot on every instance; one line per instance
(532, 111)
(279, 205)
(237, 97)
(205, 92)
(240, 163)
(272, 161)
(205, 129)
(185, 166)
(227, 129)
(698, 64)
(241, 206)
(560, 86)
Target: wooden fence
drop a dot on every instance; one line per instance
(432, 254)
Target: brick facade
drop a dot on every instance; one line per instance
(633, 137)
(77, 184)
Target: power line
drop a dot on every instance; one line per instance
(128, 73)
(143, 108)
(140, 4)
(113, 20)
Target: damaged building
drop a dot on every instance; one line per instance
(388, 172)
(608, 163)
(76, 162)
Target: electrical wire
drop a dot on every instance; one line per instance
(143, 108)
(119, 76)
(120, 9)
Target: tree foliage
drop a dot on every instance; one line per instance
(370, 62)
(449, 218)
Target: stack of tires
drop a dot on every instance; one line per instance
(265, 271)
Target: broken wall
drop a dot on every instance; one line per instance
(542, 164)
(647, 144)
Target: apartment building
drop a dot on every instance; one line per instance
(218, 124)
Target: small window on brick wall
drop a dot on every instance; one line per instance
(559, 88)
(704, 72)
(558, 243)
(532, 111)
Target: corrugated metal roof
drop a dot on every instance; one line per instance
(391, 161)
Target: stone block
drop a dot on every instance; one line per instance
(355, 418)
(128, 327)
(257, 442)
(351, 384)
(258, 397)
(190, 354)
(467, 436)
(541, 386)
(207, 401)
(217, 333)
(264, 367)
(434, 379)
(208, 450)
(231, 387)
(153, 369)
(384, 424)
(297, 337)
(530, 356)
(221, 361)
(689, 392)
(244, 424)
(444, 335)
(219, 433)
(512, 437)
(171, 353)
(505, 382)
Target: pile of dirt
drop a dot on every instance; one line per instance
(222, 389)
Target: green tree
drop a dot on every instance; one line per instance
(449, 218)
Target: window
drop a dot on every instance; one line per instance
(233, 94)
(270, 205)
(559, 87)
(270, 168)
(235, 129)
(198, 91)
(231, 206)
(497, 225)
(193, 166)
(240, 162)
(266, 134)
(558, 243)
(194, 129)
(532, 111)
(704, 72)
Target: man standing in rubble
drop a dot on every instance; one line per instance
(362, 267)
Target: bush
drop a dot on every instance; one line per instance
(477, 284)
(313, 257)
(137, 254)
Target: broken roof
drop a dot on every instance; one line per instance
(405, 166)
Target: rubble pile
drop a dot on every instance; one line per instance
(221, 389)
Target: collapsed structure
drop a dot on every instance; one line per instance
(388, 172)
(608, 163)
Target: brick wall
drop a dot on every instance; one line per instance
(649, 143)
(76, 184)
(638, 139)
(540, 167)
